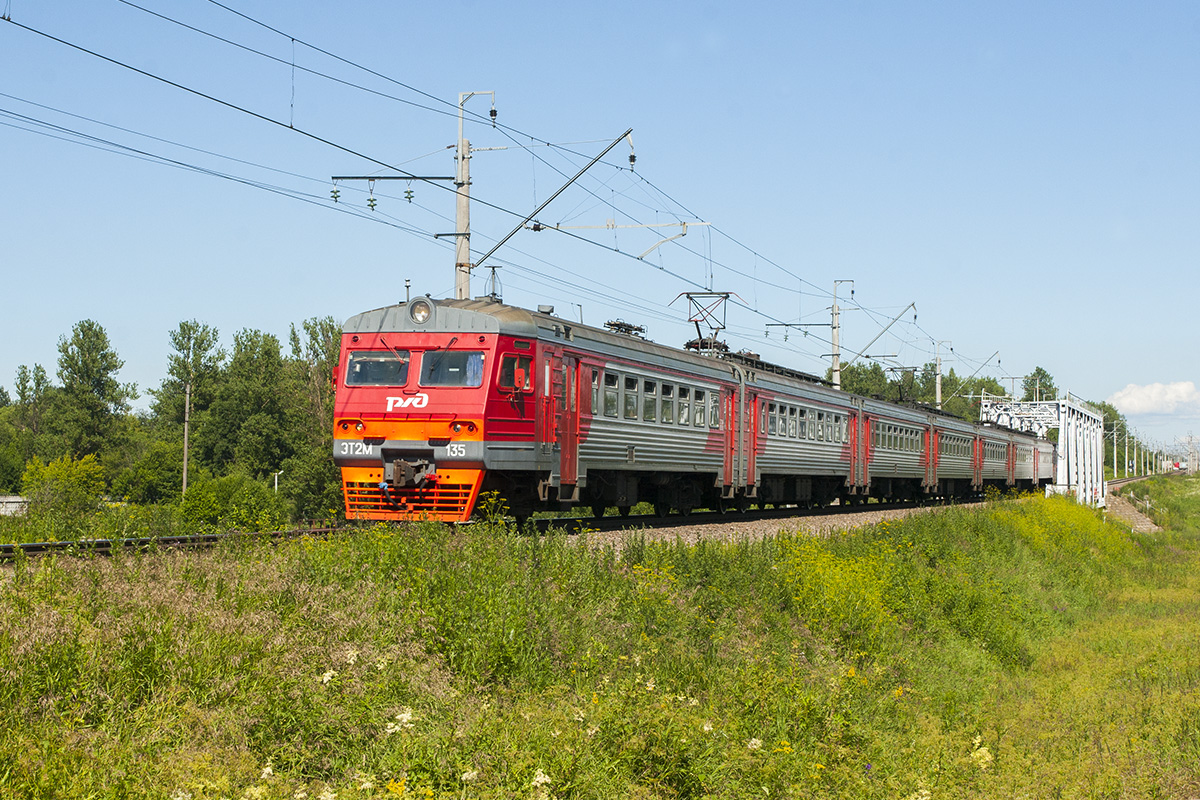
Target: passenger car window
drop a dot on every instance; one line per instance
(377, 368)
(631, 397)
(649, 401)
(612, 387)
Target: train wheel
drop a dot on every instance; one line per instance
(624, 510)
(662, 510)
(598, 510)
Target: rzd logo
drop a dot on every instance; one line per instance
(416, 401)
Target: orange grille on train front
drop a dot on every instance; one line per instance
(450, 499)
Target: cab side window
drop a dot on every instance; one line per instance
(508, 371)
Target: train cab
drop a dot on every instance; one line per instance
(416, 384)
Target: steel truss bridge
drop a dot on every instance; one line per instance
(1079, 455)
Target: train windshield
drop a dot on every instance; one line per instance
(452, 368)
(377, 368)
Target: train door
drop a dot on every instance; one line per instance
(977, 463)
(567, 422)
(558, 415)
(748, 416)
(732, 471)
(740, 425)
(932, 445)
(1010, 466)
(857, 437)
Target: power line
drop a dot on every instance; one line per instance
(705, 258)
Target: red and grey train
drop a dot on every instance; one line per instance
(440, 400)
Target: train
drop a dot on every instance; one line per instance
(439, 403)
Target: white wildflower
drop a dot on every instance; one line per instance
(266, 772)
(540, 779)
(181, 794)
(328, 794)
(328, 676)
(470, 776)
(754, 744)
(693, 702)
(592, 732)
(650, 685)
(300, 794)
(554, 734)
(708, 727)
(404, 720)
(352, 657)
(381, 664)
(980, 754)
(365, 782)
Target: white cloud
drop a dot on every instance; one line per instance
(1180, 398)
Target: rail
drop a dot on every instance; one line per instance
(89, 547)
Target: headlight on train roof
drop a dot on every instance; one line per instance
(420, 311)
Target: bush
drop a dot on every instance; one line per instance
(63, 485)
(234, 501)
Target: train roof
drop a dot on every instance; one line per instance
(489, 316)
(485, 315)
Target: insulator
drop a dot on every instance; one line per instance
(632, 160)
(371, 201)
(335, 194)
(493, 114)
(408, 195)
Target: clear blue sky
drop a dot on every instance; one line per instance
(1027, 173)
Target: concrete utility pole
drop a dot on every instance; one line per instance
(462, 208)
(937, 382)
(837, 354)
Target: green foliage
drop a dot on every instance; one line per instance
(236, 502)
(1038, 385)
(63, 486)
(918, 386)
(419, 661)
(87, 409)
(155, 477)
(12, 463)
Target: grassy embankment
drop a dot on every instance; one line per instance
(1021, 649)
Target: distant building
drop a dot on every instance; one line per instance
(11, 505)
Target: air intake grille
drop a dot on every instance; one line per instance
(444, 501)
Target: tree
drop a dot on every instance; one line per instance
(5, 400)
(33, 397)
(92, 399)
(312, 482)
(861, 379)
(195, 362)
(245, 427)
(1038, 385)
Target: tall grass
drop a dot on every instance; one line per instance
(419, 661)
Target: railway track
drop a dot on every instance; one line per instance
(97, 547)
(610, 524)
(707, 518)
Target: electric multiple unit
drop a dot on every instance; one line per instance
(440, 400)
